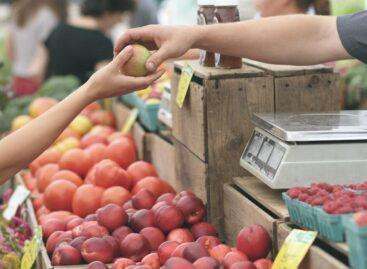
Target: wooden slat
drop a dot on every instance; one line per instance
(269, 198)
(217, 73)
(316, 258)
(139, 136)
(121, 112)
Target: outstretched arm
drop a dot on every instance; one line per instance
(21, 147)
(295, 39)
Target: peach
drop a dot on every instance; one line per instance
(142, 219)
(91, 217)
(192, 208)
(168, 218)
(263, 264)
(154, 236)
(128, 205)
(97, 152)
(194, 251)
(140, 169)
(111, 216)
(158, 206)
(112, 241)
(130, 212)
(243, 265)
(120, 233)
(134, 247)
(178, 263)
(122, 263)
(144, 199)
(166, 197)
(54, 238)
(208, 241)
(103, 118)
(44, 176)
(90, 229)
(180, 236)
(122, 151)
(232, 258)
(166, 249)
(77, 161)
(203, 228)
(66, 255)
(178, 252)
(155, 185)
(41, 105)
(219, 252)
(97, 265)
(115, 195)
(59, 195)
(152, 260)
(52, 225)
(136, 66)
(109, 174)
(97, 249)
(78, 242)
(182, 194)
(92, 139)
(68, 175)
(105, 131)
(87, 199)
(207, 263)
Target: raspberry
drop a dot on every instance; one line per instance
(293, 193)
(302, 197)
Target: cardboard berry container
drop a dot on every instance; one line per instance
(357, 241)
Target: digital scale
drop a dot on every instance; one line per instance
(165, 111)
(288, 150)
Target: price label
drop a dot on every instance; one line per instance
(19, 196)
(294, 249)
(130, 121)
(184, 84)
(31, 250)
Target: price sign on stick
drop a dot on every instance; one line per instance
(130, 121)
(21, 193)
(31, 250)
(184, 84)
(294, 249)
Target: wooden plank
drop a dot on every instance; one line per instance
(288, 70)
(240, 212)
(216, 73)
(189, 123)
(269, 198)
(190, 171)
(316, 258)
(162, 156)
(121, 112)
(309, 93)
(139, 136)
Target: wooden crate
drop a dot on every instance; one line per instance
(317, 257)
(214, 124)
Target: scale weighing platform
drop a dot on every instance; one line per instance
(288, 150)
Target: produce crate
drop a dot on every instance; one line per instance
(357, 241)
(214, 124)
(317, 257)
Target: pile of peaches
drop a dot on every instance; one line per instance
(97, 205)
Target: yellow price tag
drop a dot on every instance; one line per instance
(184, 84)
(130, 121)
(294, 249)
(31, 250)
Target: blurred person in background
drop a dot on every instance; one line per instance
(31, 23)
(81, 46)
(146, 12)
(269, 8)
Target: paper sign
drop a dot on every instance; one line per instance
(130, 121)
(31, 250)
(294, 249)
(19, 196)
(184, 84)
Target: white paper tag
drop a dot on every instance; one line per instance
(19, 196)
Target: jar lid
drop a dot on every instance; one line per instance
(224, 3)
(206, 2)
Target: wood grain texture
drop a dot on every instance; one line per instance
(240, 212)
(316, 257)
(121, 112)
(269, 198)
(139, 136)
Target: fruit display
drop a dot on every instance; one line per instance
(323, 207)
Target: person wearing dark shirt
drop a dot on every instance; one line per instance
(81, 46)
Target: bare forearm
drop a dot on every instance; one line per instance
(24, 145)
(296, 39)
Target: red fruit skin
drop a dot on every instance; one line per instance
(243, 265)
(115, 245)
(202, 229)
(168, 218)
(263, 264)
(91, 139)
(90, 229)
(122, 263)
(109, 174)
(120, 233)
(66, 255)
(134, 247)
(179, 251)
(207, 263)
(91, 217)
(254, 241)
(97, 249)
(154, 236)
(97, 265)
(166, 197)
(144, 199)
(180, 236)
(360, 218)
(54, 238)
(192, 208)
(208, 241)
(139, 170)
(73, 223)
(52, 225)
(142, 219)
(78, 242)
(178, 263)
(182, 194)
(122, 151)
(166, 249)
(219, 252)
(152, 261)
(233, 257)
(194, 251)
(112, 216)
(158, 205)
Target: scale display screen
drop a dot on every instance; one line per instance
(264, 154)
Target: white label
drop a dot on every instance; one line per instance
(19, 196)
(265, 152)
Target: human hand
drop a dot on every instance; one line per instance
(168, 41)
(109, 81)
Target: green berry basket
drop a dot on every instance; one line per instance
(357, 241)
(131, 99)
(148, 116)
